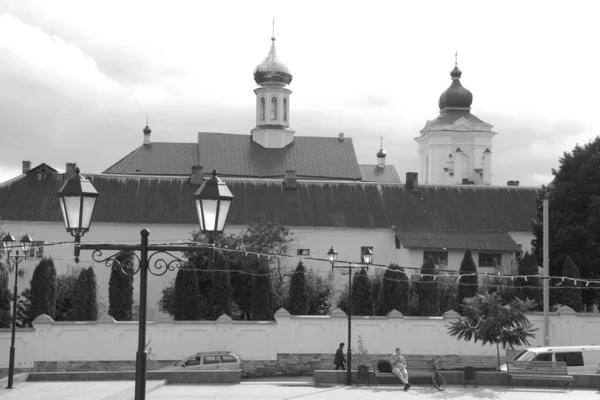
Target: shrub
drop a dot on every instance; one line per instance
(165, 303)
(261, 301)
(65, 287)
(529, 288)
(85, 307)
(120, 288)
(5, 299)
(186, 304)
(220, 292)
(43, 290)
(361, 294)
(395, 291)
(468, 283)
(320, 293)
(571, 292)
(427, 289)
(298, 302)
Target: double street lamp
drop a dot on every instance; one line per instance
(77, 200)
(367, 258)
(9, 244)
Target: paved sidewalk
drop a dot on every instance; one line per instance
(94, 390)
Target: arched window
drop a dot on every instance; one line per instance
(273, 107)
(262, 108)
(285, 110)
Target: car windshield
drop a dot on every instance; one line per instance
(525, 356)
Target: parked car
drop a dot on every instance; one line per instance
(208, 360)
(579, 359)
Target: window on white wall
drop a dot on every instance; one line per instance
(273, 107)
(285, 109)
(490, 260)
(303, 252)
(440, 258)
(262, 108)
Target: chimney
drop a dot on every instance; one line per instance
(341, 137)
(197, 177)
(26, 166)
(70, 170)
(512, 183)
(412, 180)
(290, 179)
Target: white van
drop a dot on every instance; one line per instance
(579, 359)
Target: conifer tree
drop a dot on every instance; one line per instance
(120, 288)
(5, 298)
(298, 303)
(529, 288)
(571, 294)
(220, 292)
(377, 293)
(427, 290)
(362, 303)
(395, 290)
(43, 289)
(187, 305)
(261, 298)
(85, 306)
(467, 286)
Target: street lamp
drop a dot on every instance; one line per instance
(8, 242)
(77, 198)
(366, 258)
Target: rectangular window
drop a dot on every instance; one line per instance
(490, 259)
(440, 258)
(303, 252)
(574, 359)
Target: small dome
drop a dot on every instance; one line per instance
(147, 130)
(272, 70)
(381, 153)
(456, 96)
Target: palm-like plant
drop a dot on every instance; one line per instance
(487, 319)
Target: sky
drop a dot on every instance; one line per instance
(78, 78)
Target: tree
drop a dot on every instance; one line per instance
(341, 301)
(377, 292)
(467, 286)
(574, 214)
(261, 301)
(43, 289)
(165, 303)
(187, 304)
(23, 305)
(65, 287)
(5, 298)
(487, 319)
(571, 292)
(395, 290)
(447, 292)
(529, 288)
(320, 293)
(362, 302)
(427, 290)
(220, 291)
(298, 302)
(85, 306)
(120, 288)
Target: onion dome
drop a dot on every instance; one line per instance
(456, 96)
(272, 70)
(147, 130)
(381, 153)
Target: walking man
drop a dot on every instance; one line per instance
(340, 359)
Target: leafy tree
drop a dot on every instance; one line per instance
(120, 288)
(395, 290)
(447, 291)
(571, 293)
(221, 288)
(362, 303)
(165, 303)
(85, 307)
(261, 300)
(427, 290)
(529, 288)
(377, 292)
(341, 301)
(43, 289)
(23, 305)
(5, 299)
(298, 302)
(574, 213)
(187, 305)
(320, 293)
(65, 287)
(467, 286)
(486, 318)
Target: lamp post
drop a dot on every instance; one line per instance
(367, 258)
(8, 242)
(77, 198)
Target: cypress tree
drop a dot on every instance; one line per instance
(467, 286)
(427, 290)
(261, 297)
(221, 292)
(43, 289)
(187, 305)
(298, 301)
(571, 295)
(85, 307)
(376, 293)
(530, 288)
(395, 290)
(362, 303)
(120, 288)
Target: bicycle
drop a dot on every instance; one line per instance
(436, 376)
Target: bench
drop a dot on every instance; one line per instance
(538, 370)
(416, 368)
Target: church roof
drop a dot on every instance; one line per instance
(372, 173)
(418, 214)
(238, 156)
(448, 117)
(499, 241)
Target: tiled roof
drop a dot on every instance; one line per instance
(472, 241)
(238, 156)
(451, 116)
(372, 173)
(168, 200)
(310, 157)
(158, 159)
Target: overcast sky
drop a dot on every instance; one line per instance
(77, 78)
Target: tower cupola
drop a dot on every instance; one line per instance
(147, 131)
(456, 96)
(381, 155)
(272, 72)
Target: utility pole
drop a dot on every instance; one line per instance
(546, 252)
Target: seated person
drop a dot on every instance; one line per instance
(398, 364)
